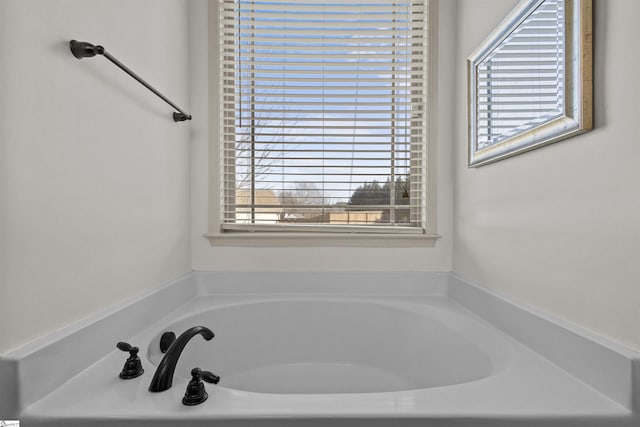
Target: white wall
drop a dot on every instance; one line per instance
(559, 228)
(94, 175)
(314, 257)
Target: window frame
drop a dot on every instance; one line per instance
(576, 115)
(299, 237)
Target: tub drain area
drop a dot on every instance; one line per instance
(318, 378)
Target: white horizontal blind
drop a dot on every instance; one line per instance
(521, 84)
(323, 106)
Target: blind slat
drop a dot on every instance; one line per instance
(248, 56)
(302, 31)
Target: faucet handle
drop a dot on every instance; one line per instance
(195, 393)
(209, 377)
(124, 346)
(133, 366)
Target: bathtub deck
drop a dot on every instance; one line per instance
(529, 391)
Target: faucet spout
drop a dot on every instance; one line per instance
(163, 378)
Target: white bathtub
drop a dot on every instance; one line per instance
(339, 350)
(314, 346)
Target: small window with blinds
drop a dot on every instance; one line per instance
(530, 80)
(323, 115)
(521, 83)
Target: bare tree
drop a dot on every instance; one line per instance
(259, 152)
(304, 199)
(254, 159)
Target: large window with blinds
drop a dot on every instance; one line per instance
(323, 115)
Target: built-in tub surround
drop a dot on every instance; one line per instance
(349, 349)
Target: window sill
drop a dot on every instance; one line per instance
(291, 239)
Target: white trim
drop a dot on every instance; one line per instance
(301, 239)
(322, 228)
